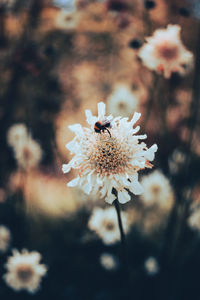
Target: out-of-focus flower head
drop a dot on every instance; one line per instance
(104, 222)
(109, 159)
(157, 191)
(122, 102)
(5, 237)
(151, 265)
(27, 151)
(176, 161)
(17, 134)
(24, 271)
(67, 20)
(108, 261)
(165, 53)
(194, 219)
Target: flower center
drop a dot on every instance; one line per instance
(24, 273)
(167, 51)
(27, 154)
(155, 190)
(109, 226)
(108, 156)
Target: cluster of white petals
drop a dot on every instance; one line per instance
(122, 101)
(108, 261)
(5, 237)
(157, 191)
(24, 271)
(165, 53)
(104, 222)
(151, 265)
(106, 161)
(27, 151)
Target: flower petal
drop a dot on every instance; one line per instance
(101, 110)
(123, 196)
(135, 118)
(73, 182)
(66, 168)
(91, 120)
(76, 128)
(150, 153)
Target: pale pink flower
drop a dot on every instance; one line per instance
(165, 53)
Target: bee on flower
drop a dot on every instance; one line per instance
(108, 159)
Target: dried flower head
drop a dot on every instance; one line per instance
(24, 272)
(165, 53)
(157, 191)
(5, 237)
(108, 261)
(122, 101)
(104, 222)
(151, 265)
(108, 160)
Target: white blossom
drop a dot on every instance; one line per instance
(24, 271)
(151, 265)
(104, 222)
(122, 101)
(157, 191)
(108, 160)
(165, 53)
(17, 134)
(108, 261)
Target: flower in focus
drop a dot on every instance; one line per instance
(122, 101)
(157, 191)
(165, 53)
(104, 222)
(108, 160)
(108, 261)
(5, 237)
(24, 272)
(27, 151)
(151, 265)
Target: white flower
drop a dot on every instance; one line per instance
(122, 101)
(157, 191)
(165, 53)
(105, 162)
(5, 238)
(66, 20)
(176, 161)
(108, 261)
(24, 272)
(104, 222)
(151, 265)
(17, 134)
(28, 154)
(194, 219)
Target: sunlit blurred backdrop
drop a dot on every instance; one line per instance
(58, 58)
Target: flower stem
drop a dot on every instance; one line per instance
(122, 234)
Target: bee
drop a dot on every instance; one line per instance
(102, 126)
